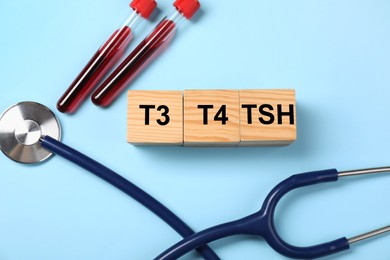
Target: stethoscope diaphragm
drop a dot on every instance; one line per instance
(21, 128)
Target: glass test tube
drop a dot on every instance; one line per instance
(105, 58)
(150, 47)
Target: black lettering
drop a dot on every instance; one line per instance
(164, 114)
(267, 114)
(290, 114)
(249, 112)
(205, 112)
(147, 112)
(221, 115)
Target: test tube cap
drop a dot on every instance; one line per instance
(187, 7)
(144, 7)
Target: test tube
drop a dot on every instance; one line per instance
(150, 47)
(105, 58)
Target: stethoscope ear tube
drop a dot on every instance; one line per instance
(126, 186)
(261, 223)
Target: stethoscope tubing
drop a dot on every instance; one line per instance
(261, 224)
(127, 187)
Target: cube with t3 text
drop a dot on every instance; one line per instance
(155, 117)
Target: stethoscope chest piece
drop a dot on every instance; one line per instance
(21, 128)
(30, 133)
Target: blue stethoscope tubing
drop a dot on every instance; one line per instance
(261, 223)
(127, 187)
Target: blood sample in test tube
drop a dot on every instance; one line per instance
(105, 58)
(150, 47)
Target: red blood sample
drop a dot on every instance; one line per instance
(103, 60)
(133, 64)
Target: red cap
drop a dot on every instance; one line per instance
(187, 7)
(144, 7)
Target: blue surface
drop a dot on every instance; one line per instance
(334, 53)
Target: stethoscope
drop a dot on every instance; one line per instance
(261, 223)
(31, 133)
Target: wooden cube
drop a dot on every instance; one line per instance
(211, 118)
(267, 117)
(155, 117)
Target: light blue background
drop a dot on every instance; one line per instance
(334, 53)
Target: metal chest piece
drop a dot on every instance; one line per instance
(21, 128)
